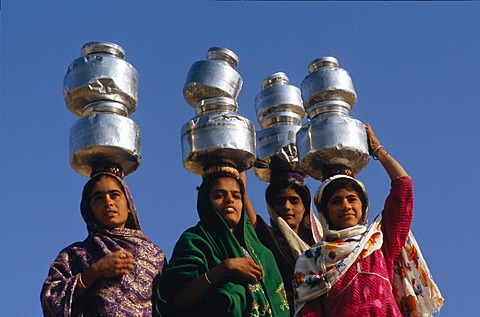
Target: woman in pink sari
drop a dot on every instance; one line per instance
(365, 271)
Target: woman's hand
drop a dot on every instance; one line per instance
(117, 263)
(243, 270)
(392, 167)
(236, 270)
(373, 142)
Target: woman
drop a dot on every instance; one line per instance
(218, 267)
(293, 227)
(355, 270)
(111, 272)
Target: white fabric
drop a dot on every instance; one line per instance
(296, 244)
(317, 270)
(413, 283)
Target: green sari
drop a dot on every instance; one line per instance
(202, 247)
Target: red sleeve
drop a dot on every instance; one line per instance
(397, 216)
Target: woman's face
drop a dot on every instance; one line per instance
(288, 205)
(344, 209)
(108, 203)
(226, 198)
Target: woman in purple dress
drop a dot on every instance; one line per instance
(111, 272)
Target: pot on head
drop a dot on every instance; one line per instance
(101, 73)
(280, 114)
(216, 134)
(331, 137)
(105, 137)
(101, 88)
(214, 77)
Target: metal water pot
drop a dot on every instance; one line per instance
(101, 88)
(105, 137)
(280, 113)
(101, 73)
(216, 134)
(331, 137)
(214, 77)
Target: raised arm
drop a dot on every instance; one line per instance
(252, 215)
(391, 166)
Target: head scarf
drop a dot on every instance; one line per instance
(127, 295)
(209, 243)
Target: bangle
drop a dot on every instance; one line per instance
(207, 279)
(80, 282)
(374, 153)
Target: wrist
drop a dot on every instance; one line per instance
(379, 150)
(80, 283)
(221, 272)
(207, 279)
(90, 275)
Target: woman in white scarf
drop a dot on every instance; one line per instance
(294, 228)
(356, 270)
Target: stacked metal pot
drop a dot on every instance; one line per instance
(331, 137)
(280, 113)
(102, 89)
(217, 133)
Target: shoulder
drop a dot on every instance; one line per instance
(73, 249)
(192, 238)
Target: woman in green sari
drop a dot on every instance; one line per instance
(219, 267)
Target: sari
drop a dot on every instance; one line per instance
(127, 295)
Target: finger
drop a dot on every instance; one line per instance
(256, 277)
(257, 267)
(258, 274)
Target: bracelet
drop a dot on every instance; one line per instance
(374, 153)
(80, 282)
(207, 279)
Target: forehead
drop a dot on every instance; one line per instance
(106, 184)
(287, 192)
(225, 183)
(344, 192)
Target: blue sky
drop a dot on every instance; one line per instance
(414, 65)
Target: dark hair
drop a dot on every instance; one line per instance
(341, 183)
(288, 182)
